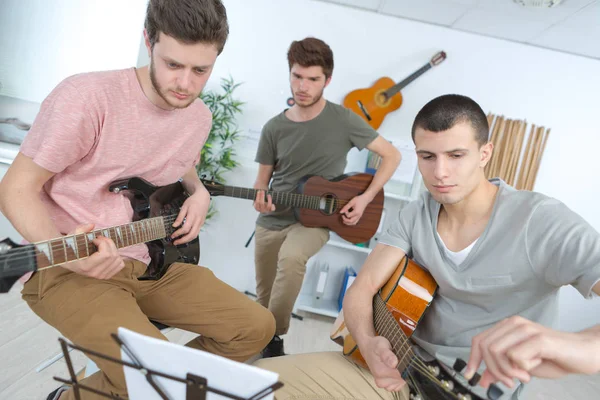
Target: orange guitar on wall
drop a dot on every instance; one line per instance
(374, 103)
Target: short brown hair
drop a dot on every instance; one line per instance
(443, 112)
(189, 21)
(311, 52)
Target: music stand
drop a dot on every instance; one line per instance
(197, 387)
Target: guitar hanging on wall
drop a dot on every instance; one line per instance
(374, 103)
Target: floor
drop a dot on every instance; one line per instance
(26, 341)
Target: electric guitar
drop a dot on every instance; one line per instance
(374, 103)
(397, 309)
(155, 210)
(317, 203)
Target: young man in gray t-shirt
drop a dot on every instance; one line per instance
(313, 137)
(498, 255)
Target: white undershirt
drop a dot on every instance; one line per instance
(457, 256)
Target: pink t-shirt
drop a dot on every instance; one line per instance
(98, 127)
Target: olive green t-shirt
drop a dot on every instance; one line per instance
(315, 147)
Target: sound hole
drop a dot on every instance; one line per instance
(381, 99)
(328, 204)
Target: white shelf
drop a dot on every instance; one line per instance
(397, 197)
(348, 246)
(326, 307)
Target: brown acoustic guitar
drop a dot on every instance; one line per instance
(318, 201)
(397, 310)
(374, 103)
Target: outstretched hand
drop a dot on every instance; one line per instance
(518, 348)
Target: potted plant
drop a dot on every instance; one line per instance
(218, 153)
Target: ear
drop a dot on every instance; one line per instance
(327, 82)
(147, 43)
(486, 153)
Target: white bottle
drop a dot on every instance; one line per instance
(321, 283)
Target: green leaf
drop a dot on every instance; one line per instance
(218, 154)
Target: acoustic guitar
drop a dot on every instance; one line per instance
(374, 103)
(318, 201)
(155, 210)
(397, 310)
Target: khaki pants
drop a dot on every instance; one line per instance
(87, 311)
(325, 376)
(280, 260)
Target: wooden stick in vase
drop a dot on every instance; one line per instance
(525, 160)
(506, 149)
(495, 161)
(537, 147)
(519, 149)
(539, 161)
(513, 151)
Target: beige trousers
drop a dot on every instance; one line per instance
(325, 376)
(190, 297)
(280, 260)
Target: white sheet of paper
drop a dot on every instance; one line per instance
(408, 166)
(229, 376)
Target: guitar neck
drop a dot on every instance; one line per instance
(283, 198)
(386, 326)
(54, 252)
(401, 85)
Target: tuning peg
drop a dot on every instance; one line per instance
(459, 365)
(475, 379)
(494, 392)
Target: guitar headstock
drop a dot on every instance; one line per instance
(430, 379)
(15, 261)
(214, 188)
(438, 58)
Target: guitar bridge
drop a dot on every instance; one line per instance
(364, 110)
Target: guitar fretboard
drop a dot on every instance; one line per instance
(387, 327)
(70, 248)
(401, 85)
(285, 198)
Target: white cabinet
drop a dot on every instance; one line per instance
(339, 254)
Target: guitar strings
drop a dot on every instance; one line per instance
(304, 199)
(29, 250)
(416, 362)
(391, 324)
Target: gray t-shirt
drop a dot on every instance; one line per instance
(532, 245)
(315, 147)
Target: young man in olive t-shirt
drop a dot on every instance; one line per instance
(313, 137)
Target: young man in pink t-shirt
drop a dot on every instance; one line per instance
(95, 128)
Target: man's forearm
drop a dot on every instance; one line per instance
(28, 215)
(358, 311)
(191, 182)
(260, 184)
(383, 174)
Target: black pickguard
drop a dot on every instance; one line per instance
(150, 201)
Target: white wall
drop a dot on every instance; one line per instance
(545, 87)
(43, 42)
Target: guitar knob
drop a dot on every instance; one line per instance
(475, 379)
(459, 365)
(494, 392)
